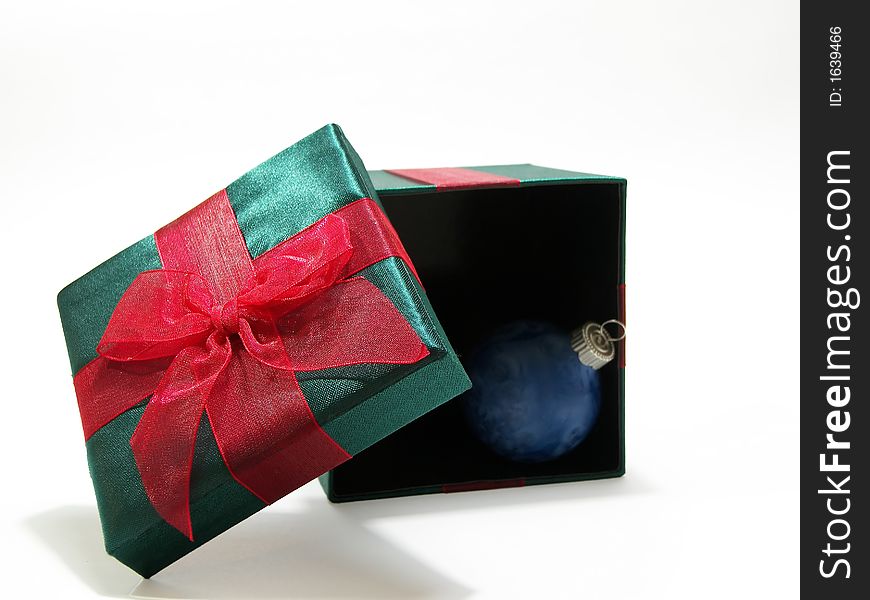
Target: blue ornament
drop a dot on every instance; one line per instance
(535, 390)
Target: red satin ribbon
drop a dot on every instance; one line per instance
(216, 331)
(455, 178)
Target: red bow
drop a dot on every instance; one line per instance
(233, 331)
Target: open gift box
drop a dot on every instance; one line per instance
(493, 245)
(279, 332)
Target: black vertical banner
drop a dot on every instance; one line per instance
(834, 369)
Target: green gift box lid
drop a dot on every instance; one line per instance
(355, 405)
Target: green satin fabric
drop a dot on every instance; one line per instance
(295, 188)
(357, 405)
(86, 304)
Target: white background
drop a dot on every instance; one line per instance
(113, 120)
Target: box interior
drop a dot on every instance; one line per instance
(488, 257)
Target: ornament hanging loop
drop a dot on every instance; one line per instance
(606, 333)
(594, 345)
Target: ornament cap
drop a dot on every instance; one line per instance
(594, 345)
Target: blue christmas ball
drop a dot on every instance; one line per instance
(531, 400)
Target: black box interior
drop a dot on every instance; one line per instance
(488, 257)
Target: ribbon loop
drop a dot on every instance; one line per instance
(300, 268)
(161, 313)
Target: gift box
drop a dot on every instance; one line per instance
(492, 245)
(260, 340)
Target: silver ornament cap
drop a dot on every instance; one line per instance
(594, 345)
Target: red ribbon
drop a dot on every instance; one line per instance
(455, 178)
(216, 331)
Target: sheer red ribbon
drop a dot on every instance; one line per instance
(215, 331)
